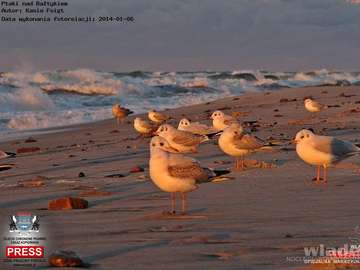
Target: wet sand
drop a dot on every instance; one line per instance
(254, 221)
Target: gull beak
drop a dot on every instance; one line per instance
(294, 141)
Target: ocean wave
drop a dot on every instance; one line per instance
(44, 99)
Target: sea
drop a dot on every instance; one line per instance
(59, 98)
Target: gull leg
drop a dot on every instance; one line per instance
(236, 163)
(183, 200)
(242, 163)
(172, 198)
(325, 175)
(318, 174)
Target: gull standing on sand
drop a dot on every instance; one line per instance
(120, 113)
(196, 127)
(175, 172)
(182, 141)
(234, 142)
(313, 106)
(157, 117)
(222, 120)
(322, 150)
(143, 127)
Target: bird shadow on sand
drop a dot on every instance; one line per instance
(166, 215)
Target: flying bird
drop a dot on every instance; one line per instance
(322, 151)
(172, 172)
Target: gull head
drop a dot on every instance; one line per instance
(184, 123)
(164, 130)
(158, 142)
(233, 130)
(217, 115)
(308, 101)
(303, 135)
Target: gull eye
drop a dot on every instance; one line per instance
(302, 137)
(166, 129)
(162, 144)
(235, 132)
(307, 135)
(153, 144)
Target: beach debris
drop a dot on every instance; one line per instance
(81, 174)
(94, 193)
(115, 175)
(345, 95)
(114, 131)
(64, 258)
(283, 100)
(222, 255)
(136, 169)
(30, 140)
(278, 115)
(27, 150)
(5, 167)
(68, 203)
(38, 181)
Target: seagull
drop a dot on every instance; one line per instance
(182, 141)
(173, 172)
(234, 142)
(120, 113)
(6, 154)
(313, 106)
(222, 120)
(144, 127)
(157, 117)
(322, 150)
(196, 127)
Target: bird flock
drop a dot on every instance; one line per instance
(173, 172)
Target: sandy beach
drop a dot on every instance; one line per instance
(260, 219)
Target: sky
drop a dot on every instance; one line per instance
(172, 35)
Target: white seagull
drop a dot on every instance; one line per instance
(313, 106)
(234, 142)
(322, 150)
(182, 141)
(222, 120)
(143, 127)
(196, 127)
(158, 117)
(175, 172)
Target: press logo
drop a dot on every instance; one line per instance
(25, 242)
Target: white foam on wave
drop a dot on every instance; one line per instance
(25, 98)
(31, 120)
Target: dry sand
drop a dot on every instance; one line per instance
(251, 222)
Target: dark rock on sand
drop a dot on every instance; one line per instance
(27, 150)
(65, 258)
(136, 169)
(68, 203)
